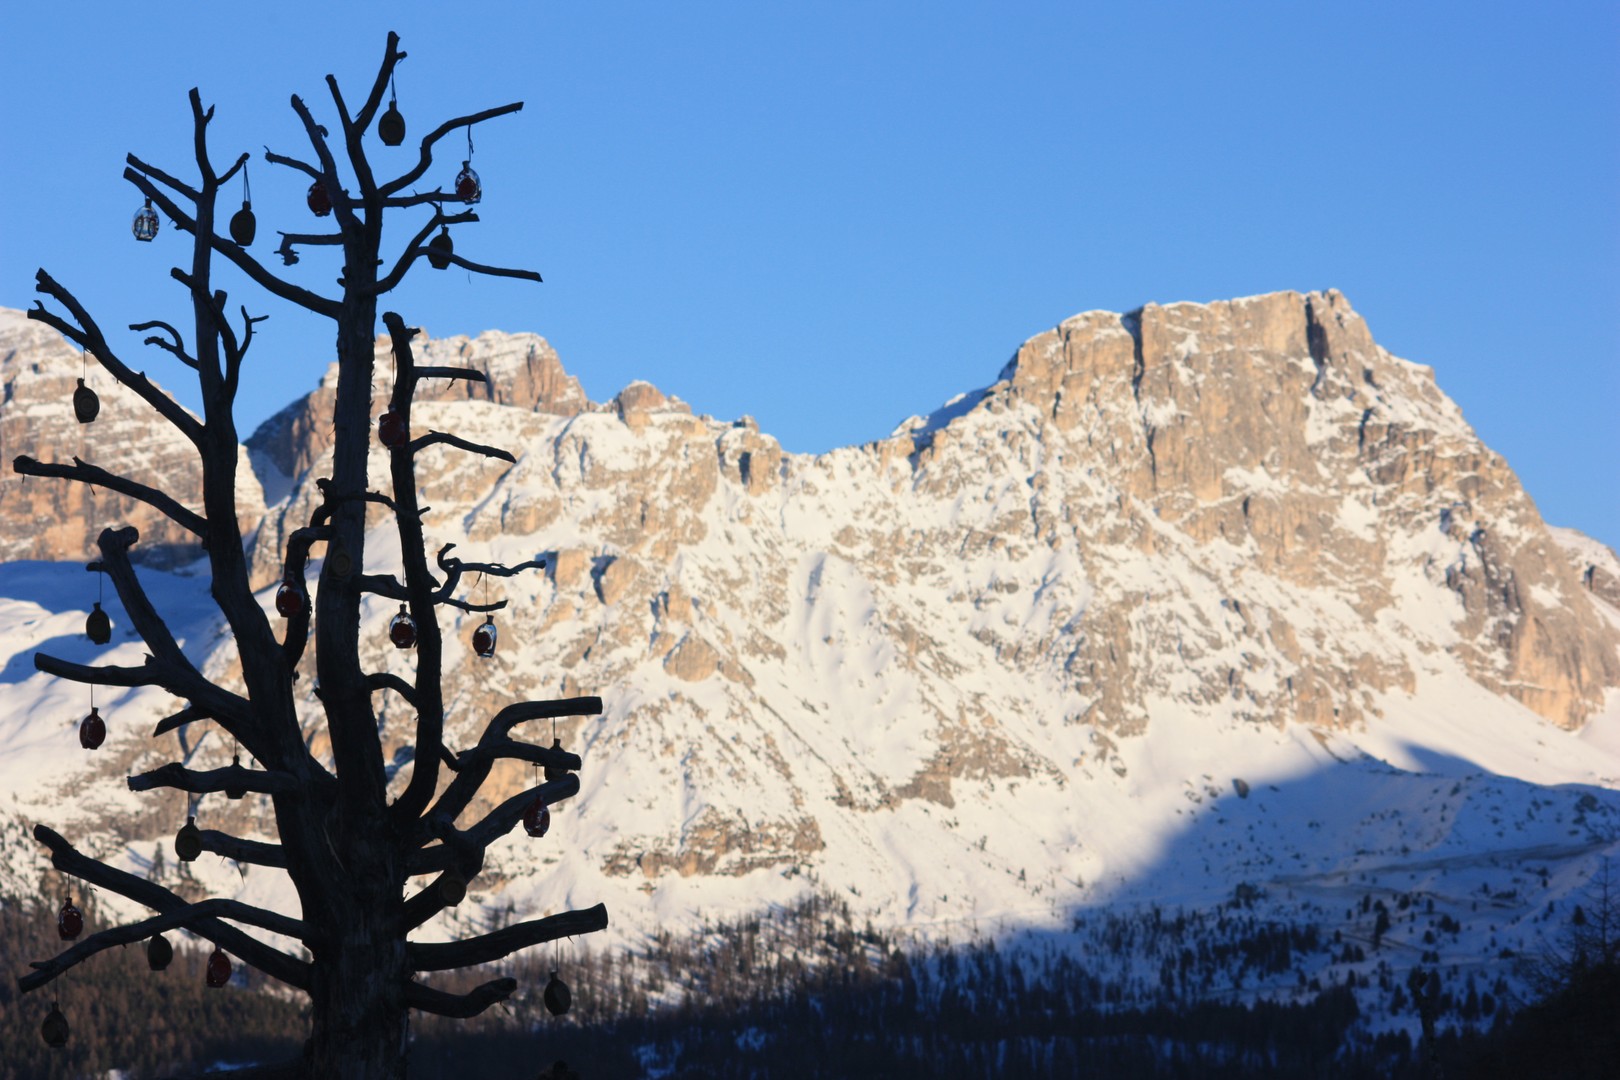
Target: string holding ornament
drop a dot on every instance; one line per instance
(391, 125)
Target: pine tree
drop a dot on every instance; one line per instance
(368, 868)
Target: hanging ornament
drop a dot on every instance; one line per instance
(537, 819)
(236, 792)
(85, 403)
(159, 952)
(483, 640)
(440, 248)
(452, 887)
(556, 772)
(402, 629)
(391, 125)
(145, 225)
(557, 996)
(320, 203)
(69, 921)
(92, 730)
(219, 969)
(55, 1028)
(391, 429)
(291, 600)
(468, 188)
(97, 625)
(243, 224)
(188, 841)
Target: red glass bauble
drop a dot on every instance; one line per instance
(219, 969)
(537, 819)
(391, 429)
(290, 599)
(320, 203)
(69, 921)
(468, 187)
(484, 639)
(402, 630)
(92, 730)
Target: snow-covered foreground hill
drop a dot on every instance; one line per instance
(1211, 609)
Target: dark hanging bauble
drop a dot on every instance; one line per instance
(243, 225)
(219, 969)
(85, 403)
(537, 819)
(439, 249)
(236, 792)
(55, 1028)
(402, 629)
(391, 126)
(484, 639)
(159, 952)
(69, 921)
(468, 188)
(97, 626)
(452, 887)
(145, 225)
(391, 429)
(556, 772)
(291, 600)
(320, 203)
(188, 841)
(92, 730)
(557, 996)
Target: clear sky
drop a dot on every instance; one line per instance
(834, 215)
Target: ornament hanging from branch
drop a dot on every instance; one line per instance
(243, 225)
(97, 625)
(159, 952)
(468, 188)
(236, 792)
(219, 969)
(320, 203)
(291, 600)
(86, 405)
(391, 430)
(440, 249)
(69, 921)
(391, 125)
(55, 1028)
(537, 818)
(145, 225)
(92, 730)
(188, 841)
(402, 629)
(483, 639)
(557, 996)
(556, 772)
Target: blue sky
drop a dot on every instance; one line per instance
(832, 216)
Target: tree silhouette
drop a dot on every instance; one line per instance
(367, 870)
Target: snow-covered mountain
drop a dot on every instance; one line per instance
(1187, 599)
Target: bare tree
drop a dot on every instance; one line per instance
(367, 871)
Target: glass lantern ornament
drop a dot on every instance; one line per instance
(402, 629)
(452, 887)
(320, 203)
(86, 405)
(537, 818)
(219, 969)
(468, 188)
(145, 225)
(97, 625)
(159, 952)
(69, 921)
(55, 1028)
(556, 772)
(236, 792)
(483, 640)
(391, 430)
(291, 600)
(440, 249)
(188, 841)
(92, 730)
(243, 225)
(391, 125)
(557, 996)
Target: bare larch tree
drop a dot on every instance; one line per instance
(367, 871)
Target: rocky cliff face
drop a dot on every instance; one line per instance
(1239, 516)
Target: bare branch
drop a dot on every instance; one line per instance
(170, 508)
(189, 917)
(475, 770)
(164, 178)
(469, 374)
(176, 348)
(255, 852)
(385, 680)
(514, 750)
(458, 1006)
(385, 71)
(269, 960)
(289, 257)
(487, 948)
(189, 714)
(417, 445)
(152, 673)
(415, 248)
(292, 163)
(175, 775)
(399, 184)
(480, 268)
